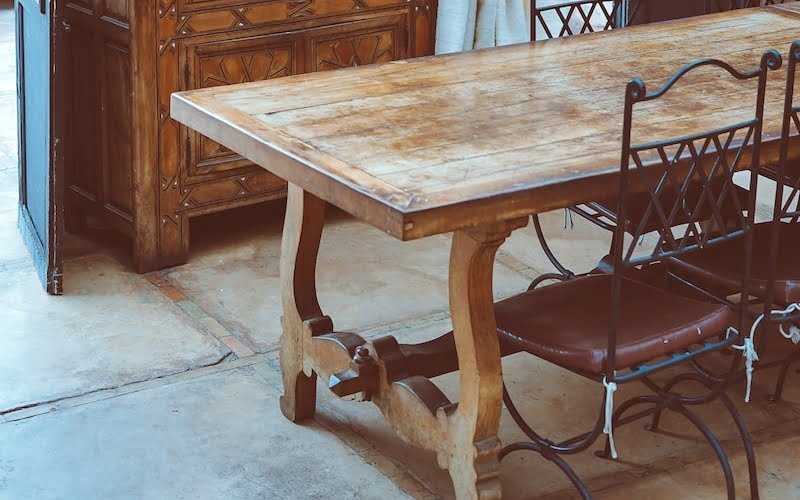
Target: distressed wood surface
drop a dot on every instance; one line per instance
(432, 145)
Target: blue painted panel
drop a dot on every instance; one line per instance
(35, 63)
(37, 168)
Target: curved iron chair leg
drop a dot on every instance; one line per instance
(776, 396)
(654, 422)
(552, 457)
(748, 444)
(715, 444)
(545, 277)
(517, 416)
(537, 225)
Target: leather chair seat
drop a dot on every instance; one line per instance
(567, 323)
(722, 264)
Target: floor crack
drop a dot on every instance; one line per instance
(226, 358)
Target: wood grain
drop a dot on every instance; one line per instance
(436, 144)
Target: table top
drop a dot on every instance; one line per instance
(427, 146)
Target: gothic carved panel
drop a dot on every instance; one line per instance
(227, 63)
(179, 18)
(423, 27)
(370, 42)
(358, 50)
(204, 43)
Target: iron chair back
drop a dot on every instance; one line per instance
(705, 160)
(788, 178)
(574, 17)
(787, 186)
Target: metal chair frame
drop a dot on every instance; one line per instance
(785, 211)
(575, 10)
(618, 16)
(656, 172)
(567, 11)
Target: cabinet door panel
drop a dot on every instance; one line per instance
(81, 135)
(97, 84)
(356, 44)
(117, 118)
(229, 62)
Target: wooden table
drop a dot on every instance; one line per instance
(472, 144)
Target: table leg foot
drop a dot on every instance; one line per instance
(299, 400)
(302, 316)
(475, 469)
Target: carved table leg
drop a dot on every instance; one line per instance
(305, 218)
(473, 443)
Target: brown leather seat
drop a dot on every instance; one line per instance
(721, 264)
(567, 323)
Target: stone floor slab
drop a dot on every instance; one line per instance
(365, 278)
(559, 405)
(778, 465)
(11, 246)
(221, 436)
(111, 328)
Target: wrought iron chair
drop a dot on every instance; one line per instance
(714, 273)
(574, 17)
(775, 271)
(613, 328)
(568, 18)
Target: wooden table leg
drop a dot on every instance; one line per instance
(302, 315)
(473, 462)
(463, 435)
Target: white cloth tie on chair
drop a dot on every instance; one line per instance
(749, 347)
(793, 335)
(794, 331)
(750, 357)
(608, 430)
(749, 353)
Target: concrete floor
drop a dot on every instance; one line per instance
(165, 386)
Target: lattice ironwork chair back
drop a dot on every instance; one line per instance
(573, 18)
(775, 279)
(774, 276)
(614, 328)
(786, 223)
(708, 160)
(787, 176)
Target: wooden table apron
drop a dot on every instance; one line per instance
(471, 144)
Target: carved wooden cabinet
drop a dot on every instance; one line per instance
(129, 163)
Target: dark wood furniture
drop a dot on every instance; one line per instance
(478, 166)
(145, 175)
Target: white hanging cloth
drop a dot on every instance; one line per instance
(476, 24)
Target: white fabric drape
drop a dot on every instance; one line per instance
(476, 24)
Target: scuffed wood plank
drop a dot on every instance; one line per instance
(436, 144)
